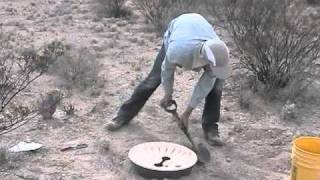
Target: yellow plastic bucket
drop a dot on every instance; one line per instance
(306, 159)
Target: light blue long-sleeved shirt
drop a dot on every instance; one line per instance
(183, 37)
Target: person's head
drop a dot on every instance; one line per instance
(217, 53)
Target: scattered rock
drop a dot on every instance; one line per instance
(100, 106)
(227, 118)
(94, 41)
(288, 111)
(98, 28)
(277, 142)
(134, 39)
(238, 128)
(98, 48)
(122, 23)
(114, 28)
(103, 145)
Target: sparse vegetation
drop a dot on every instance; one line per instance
(49, 103)
(288, 111)
(17, 72)
(277, 46)
(78, 67)
(160, 12)
(245, 99)
(313, 2)
(69, 109)
(3, 157)
(112, 8)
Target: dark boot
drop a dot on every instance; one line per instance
(211, 114)
(116, 124)
(213, 138)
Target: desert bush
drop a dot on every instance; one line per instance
(275, 43)
(112, 8)
(49, 103)
(313, 2)
(160, 12)
(18, 69)
(78, 67)
(289, 111)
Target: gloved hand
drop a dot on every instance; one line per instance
(185, 116)
(166, 101)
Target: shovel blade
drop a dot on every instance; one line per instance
(202, 151)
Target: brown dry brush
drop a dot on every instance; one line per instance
(313, 2)
(276, 43)
(160, 12)
(17, 72)
(112, 8)
(78, 67)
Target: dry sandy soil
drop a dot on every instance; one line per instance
(258, 140)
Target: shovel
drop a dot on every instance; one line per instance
(200, 149)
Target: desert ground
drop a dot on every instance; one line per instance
(258, 140)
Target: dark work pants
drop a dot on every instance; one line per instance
(144, 90)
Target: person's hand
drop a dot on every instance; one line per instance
(185, 116)
(166, 101)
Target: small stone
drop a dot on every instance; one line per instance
(238, 128)
(113, 28)
(228, 159)
(94, 41)
(99, 28)
(134, 39)
(122, 23)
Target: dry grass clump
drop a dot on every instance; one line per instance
(78, 68)
(112, 8)
(289, 111)
(49, 103)
(160, 12)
